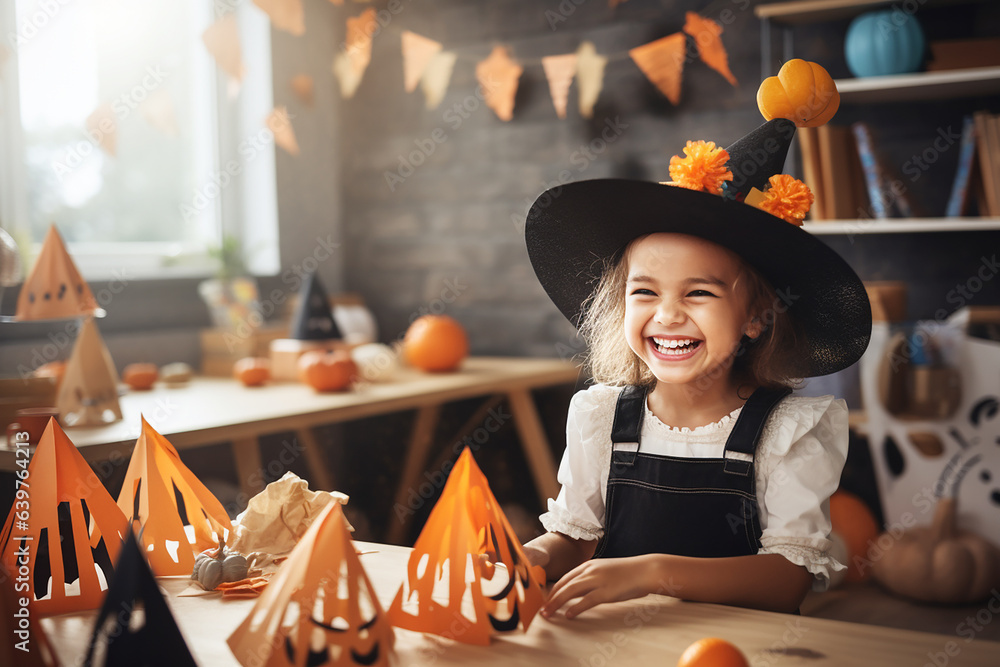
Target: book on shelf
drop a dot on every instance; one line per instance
(986, 145)
(832, 170)
(958, 200)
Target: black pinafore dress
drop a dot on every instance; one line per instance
(703, 507)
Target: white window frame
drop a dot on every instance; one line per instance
(247, 207)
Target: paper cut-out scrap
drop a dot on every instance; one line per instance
(313, 318)
(662, 62)
(102, 125)
(287, 15)
(161, 495)
(710, 49)
(159, 112)
(276, 518)
(88, 393)
(135, 626)
(466, 523)
(589, 77)
(31, 649)
(73, 531)
(499, 75)
(222, 39)
(319, 609)
(280, 125)
(54, 288)
(417, 52)
(304, 89)
(437, 75)
(560, 70)
(350, 64)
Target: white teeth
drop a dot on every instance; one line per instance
(674, 347)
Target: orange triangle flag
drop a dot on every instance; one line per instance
(21, 646)
(350, 64)
(280, 125)
(437, 74)
(303, 87)
(448, 582)
(662, 62)
(73, 531)
(417, 52)
(222, 39)
(560, 70)
(286, 15)
(319, 609)
(103, 125)
(706, 36)
(54, 288)
(498, 75)
(163, 495)
(589, 77)
(88, 392)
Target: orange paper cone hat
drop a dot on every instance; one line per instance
(55, 288)
(662, 62)
(163, 495)
(72, 530)
(445, 567)
(27, 645)
(319, 609)
(88, 392)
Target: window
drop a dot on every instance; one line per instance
(116, 120)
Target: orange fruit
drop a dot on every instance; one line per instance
(252, 371)
(712, 652)
(435, 343)
(140, 376)
(853, 521)
(327, 371)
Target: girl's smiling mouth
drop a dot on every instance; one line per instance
(674, 348)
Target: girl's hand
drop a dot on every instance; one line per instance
(603, 580)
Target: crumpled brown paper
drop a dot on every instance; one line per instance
(278, 516)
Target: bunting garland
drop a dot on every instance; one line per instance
(498, 75)
(417, 53)
(589, 77)
(560, 70)
(351, 63)
(436, 77)
(706, 37)
(662, 62)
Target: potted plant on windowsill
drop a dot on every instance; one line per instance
(232, 298)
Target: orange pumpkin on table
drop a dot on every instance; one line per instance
(327, 371)
(140, 376)
(252, 371)
(435, 343)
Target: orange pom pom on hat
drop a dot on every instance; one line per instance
(735, 197)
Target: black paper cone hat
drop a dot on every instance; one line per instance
(313, 319)
(123, 635)
(735, 197)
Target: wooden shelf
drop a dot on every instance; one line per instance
(977, 81)
(902, 226)
(813, 11)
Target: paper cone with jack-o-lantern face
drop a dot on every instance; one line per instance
(73, 530)
(319, 609)
(449, 584)
(88, 393)
(162, 495)
(55, 288)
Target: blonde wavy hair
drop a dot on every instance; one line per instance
(767, 360)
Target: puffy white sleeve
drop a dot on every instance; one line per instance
(805, 447)
(578, 511)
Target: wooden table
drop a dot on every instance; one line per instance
(213, 410)
(649, 631)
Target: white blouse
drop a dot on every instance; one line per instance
(798, 463)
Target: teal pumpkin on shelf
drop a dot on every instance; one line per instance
(884, 42)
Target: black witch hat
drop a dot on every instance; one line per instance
(313, 319)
